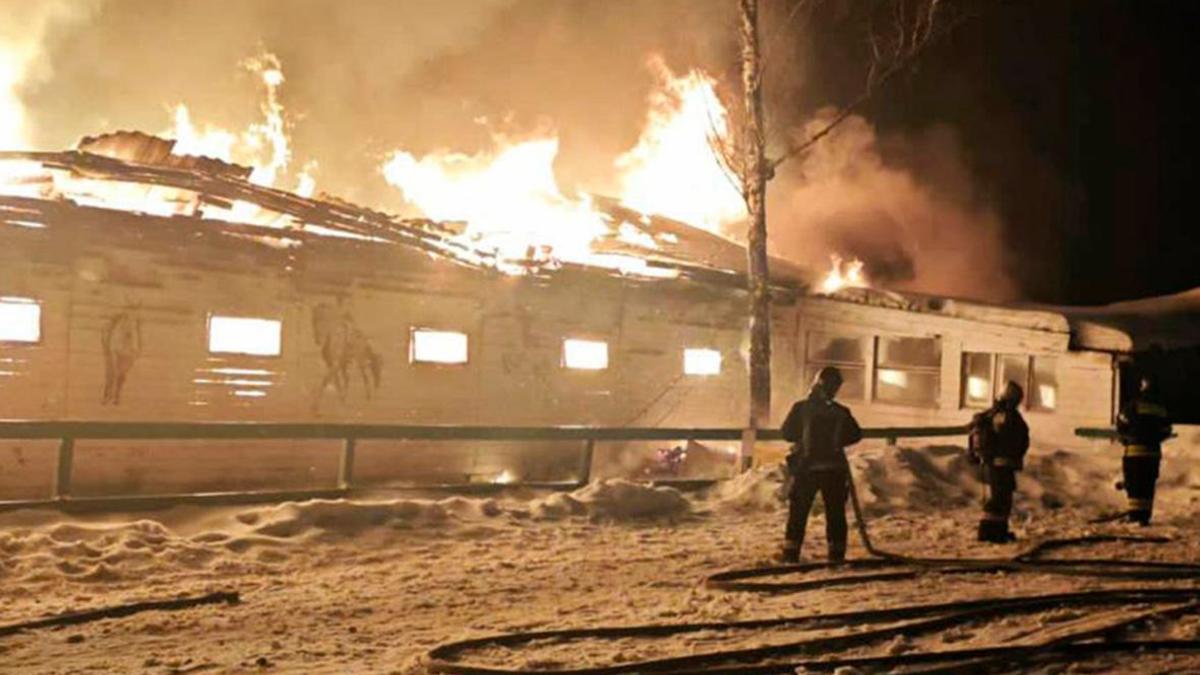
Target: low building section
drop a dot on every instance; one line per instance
(135, 285)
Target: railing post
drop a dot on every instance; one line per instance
(62, 468)
(585, 462)
(746, 451)
(891, 441)
(346, 463)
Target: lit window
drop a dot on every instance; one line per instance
(701, 362)
(437, 346)
(585, 354)
(977, 380)
(908, 371)
(240, 335)
(20, 320)
(848, 353)
(1043, 394)
(1012, 368)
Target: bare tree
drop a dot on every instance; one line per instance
(898, 32)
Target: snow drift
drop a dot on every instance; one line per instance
(901, 482)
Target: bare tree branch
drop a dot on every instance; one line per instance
(912, 35)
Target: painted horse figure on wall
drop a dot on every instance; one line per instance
(344, 348)
(121, 340)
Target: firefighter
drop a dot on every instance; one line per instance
(819, 429)
(998, 441)
(1142, 427)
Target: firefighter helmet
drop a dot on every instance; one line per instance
(1012, 394)
(828, 380)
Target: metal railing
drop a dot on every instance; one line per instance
(67, 433)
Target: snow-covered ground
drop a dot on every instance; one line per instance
(370, 585)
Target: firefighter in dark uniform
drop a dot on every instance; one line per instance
(819, 429)
(998, 441)
(1142, 427)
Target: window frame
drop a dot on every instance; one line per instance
(217, 315)
(997, 386)
(812, 366)
(992, 360)
(41, 320)
(412, 348)
(1033, 359)
(935, 371)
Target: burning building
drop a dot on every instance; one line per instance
(143, 285)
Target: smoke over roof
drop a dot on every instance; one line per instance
(370, 77)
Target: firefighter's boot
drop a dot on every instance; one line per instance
(994, 531)
(789, 554)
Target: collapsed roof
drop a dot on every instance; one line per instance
(137, 172)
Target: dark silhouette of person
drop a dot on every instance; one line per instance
(998, 441)
(1142, 426)
(819, 429)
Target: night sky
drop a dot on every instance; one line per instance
(1077, 121)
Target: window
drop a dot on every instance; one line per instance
(1012, 368)
(849, 354)
(243, 335)
(20, 320)
(1043, 390)
(977, 380)
(585, 354)
(437, 346)
(985, 376)
(701, 362)
(908, 371)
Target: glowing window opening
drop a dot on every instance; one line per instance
(437, 346)
(585, 354)
(20, 320)
(244, 335)
(701, 361)
(978, 387)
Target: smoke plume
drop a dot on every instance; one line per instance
(24, 34)
(907, 206)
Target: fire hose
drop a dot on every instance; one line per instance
(879, 626)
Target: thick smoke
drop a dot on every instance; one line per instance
(906, 206)
(24, 35)
(370, 77)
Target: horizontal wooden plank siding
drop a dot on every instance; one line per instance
(122, 293)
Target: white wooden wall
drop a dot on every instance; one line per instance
(177, 275)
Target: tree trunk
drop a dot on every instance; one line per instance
(754, 188)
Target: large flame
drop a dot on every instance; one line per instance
(844, 274)
(513, 207)
(12, 112)
(674, 168)
(508, 198)
(262, 145)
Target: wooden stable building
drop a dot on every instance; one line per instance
(132, 289)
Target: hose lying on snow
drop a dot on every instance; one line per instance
(118, 611)
(878, 626)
